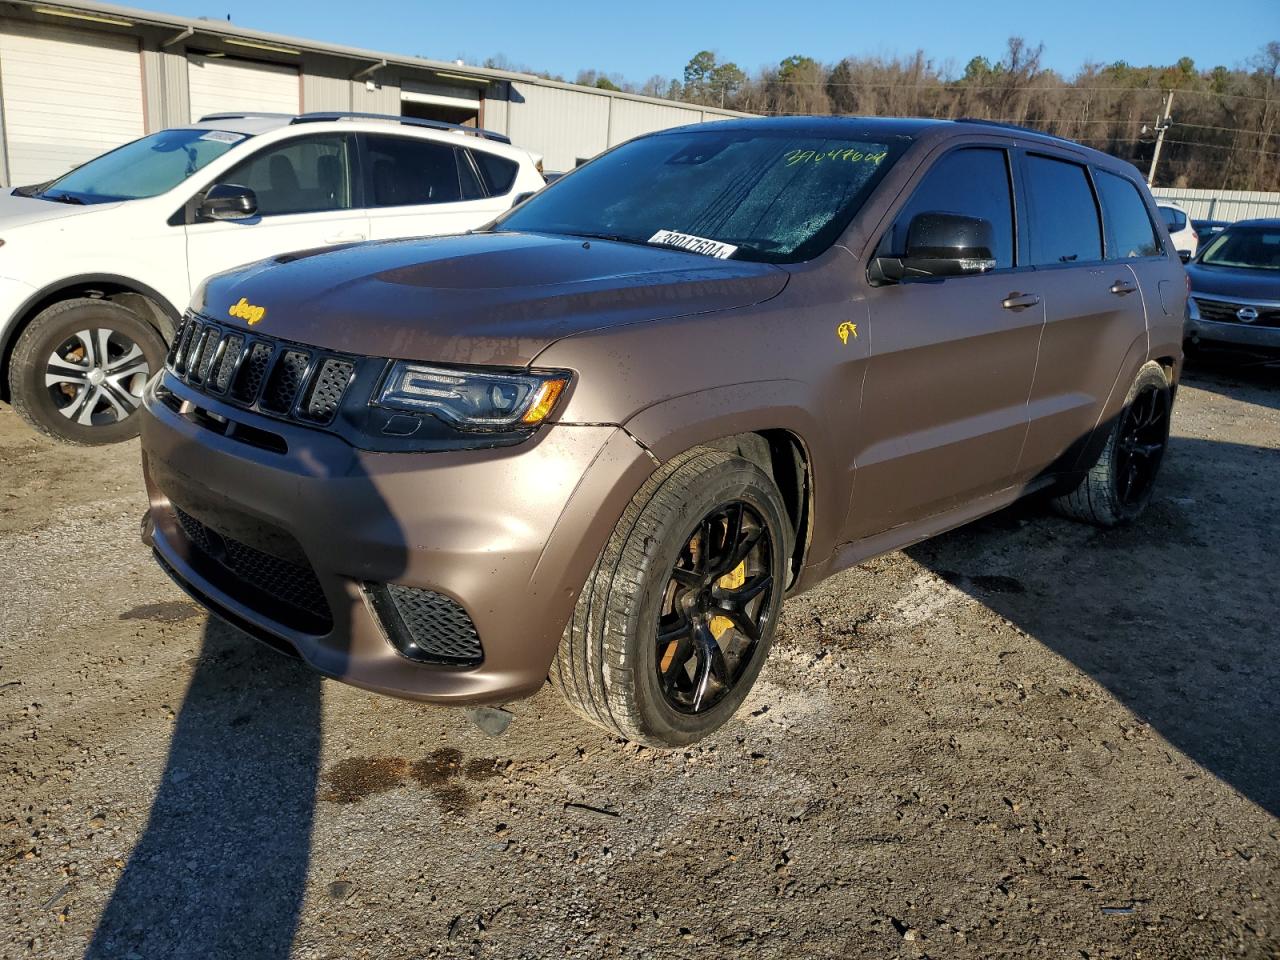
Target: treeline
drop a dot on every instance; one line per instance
(1225, 131)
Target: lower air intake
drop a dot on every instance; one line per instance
(426, 626)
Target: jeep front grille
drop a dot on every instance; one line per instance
(273, 377)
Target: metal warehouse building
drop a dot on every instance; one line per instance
(76, 80)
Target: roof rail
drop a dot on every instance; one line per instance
(244, 115)
(408, 121)
(1013, 126)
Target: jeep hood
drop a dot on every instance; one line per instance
(489, 298)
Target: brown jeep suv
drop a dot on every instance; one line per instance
(601, 439)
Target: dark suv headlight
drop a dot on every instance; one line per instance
(472, 399)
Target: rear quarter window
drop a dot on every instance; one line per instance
(499, 173)
(1063, 219)
(1129, 230)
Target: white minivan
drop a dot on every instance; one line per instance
(97, 266)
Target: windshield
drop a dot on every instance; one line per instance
(776, 196)
(1250, 248)
(143, 168)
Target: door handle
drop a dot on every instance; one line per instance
(1020, 301)
(1121, 287)
(343, 237)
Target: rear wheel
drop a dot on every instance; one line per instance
(79, 368)
(1119, 485)
(678, 614)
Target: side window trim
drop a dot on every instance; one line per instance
(463, 155)
(1050, 154)
(1015, 198)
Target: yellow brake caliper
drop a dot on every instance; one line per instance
(733, 580)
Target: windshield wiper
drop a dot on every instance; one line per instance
(61, 198)
(615, 237)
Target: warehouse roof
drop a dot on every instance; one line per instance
(109, 14)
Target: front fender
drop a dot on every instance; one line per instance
(672, 426)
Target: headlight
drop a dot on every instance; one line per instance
(473, 399)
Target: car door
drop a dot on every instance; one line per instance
(419, 187)
(944, 404)
(1093, 304)
(307, 197)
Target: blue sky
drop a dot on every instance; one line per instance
(658, 36)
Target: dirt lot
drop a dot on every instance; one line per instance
(1029, 738)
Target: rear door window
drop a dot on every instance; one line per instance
(974, 182)
(1062, 219)
(1129, 230)
(406, 171)
(305, 175)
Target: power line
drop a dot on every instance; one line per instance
(968, 85)
(1070, 121)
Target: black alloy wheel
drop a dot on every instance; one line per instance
(715, 608)
(1140, 445)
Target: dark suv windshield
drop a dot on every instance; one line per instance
(777, 196)
(1253, 248)
(143, 168)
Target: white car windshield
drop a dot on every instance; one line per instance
(143, 168)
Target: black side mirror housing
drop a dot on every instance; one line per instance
(521, 198)
(1184, 256)
(940, 245)
(228, 201)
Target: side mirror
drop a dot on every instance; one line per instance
(1184, 256)
(228, 201)
(940, 245)
(522, 197)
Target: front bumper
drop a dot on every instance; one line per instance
(1258, 336)
(1236, 334)
(509, 534)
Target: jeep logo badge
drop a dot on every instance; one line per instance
(247, 311)
(1246, 314)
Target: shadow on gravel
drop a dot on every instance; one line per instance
(221, 868)
(1176, 615)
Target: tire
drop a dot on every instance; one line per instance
(78, 369)
(1107, 495)
(607, 666)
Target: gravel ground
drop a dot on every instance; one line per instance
(1027, 738)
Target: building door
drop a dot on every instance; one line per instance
(224, 85)
(69, 95)
(436, 101)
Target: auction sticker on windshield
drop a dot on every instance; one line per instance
(687, 241)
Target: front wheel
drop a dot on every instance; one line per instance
(677, 616)
(1119, 485)
(78, 370)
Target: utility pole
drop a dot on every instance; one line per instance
(1162, 124)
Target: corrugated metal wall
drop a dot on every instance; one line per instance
(496, 108)
(165, 77)
(630, 118)
(562, 125)
(325, 93)
(1222, 204)
(383, 98)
